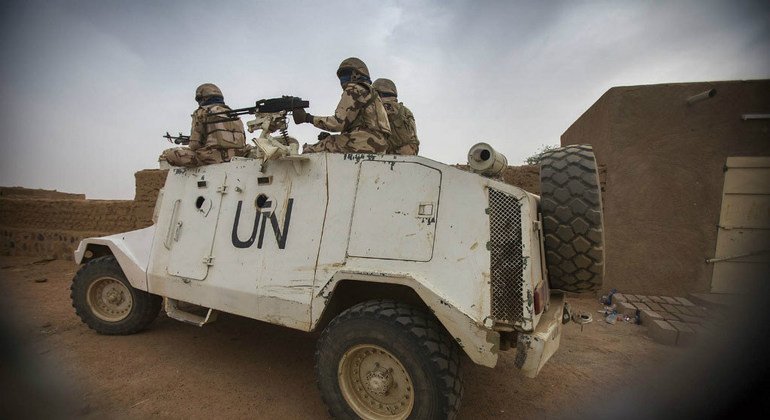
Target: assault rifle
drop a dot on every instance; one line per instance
(180, 139)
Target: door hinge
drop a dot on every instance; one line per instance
(537, 225)
(208, 260)
(222, 189)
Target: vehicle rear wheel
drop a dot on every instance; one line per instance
(573, 222)
(386, 360)
(106, 302)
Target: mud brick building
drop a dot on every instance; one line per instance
(686, 182)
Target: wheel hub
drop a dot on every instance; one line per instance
(375, 383)
(113, 296)
(379, 380)
(109, 299)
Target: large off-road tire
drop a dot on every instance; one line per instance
(104, 299)
(386, 360)
(573, 223)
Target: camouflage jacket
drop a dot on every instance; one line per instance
(215, 132)
(360, 108)
(403, 130)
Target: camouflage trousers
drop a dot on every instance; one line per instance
(358, 141)
(407, 149)
(183, 156)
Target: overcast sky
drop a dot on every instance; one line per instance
(88, 87)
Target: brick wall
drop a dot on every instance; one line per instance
(50, 224)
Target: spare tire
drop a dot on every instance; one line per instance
(573, 223)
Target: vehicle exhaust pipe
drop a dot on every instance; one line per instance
(484, 160)
(701, 96)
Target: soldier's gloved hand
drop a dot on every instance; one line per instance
(322, 135)
(300, 116)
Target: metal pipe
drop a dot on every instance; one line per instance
(746, 117)
(485, 160)
(701, 96)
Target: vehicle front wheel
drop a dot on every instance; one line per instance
(106, 302)
(386, 360)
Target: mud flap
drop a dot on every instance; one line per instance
(533, 350)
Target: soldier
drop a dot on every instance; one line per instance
(213, 138)
(360, 117)
(403, 132)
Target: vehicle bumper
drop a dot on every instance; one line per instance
(534, 349)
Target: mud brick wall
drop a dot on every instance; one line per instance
(52, 228)
(44, 244)
(50, 224)
(148, 184)
(68, 215)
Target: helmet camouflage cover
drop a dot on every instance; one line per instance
(354, 64)
(207, 90)
(385, 86)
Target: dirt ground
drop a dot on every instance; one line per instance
(241, 368)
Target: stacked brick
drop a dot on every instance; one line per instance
(669, 320)
(50, 224)
(148, 184)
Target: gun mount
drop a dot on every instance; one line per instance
(269, 117)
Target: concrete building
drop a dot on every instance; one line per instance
(687, 193)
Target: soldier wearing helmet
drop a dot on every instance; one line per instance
(213, 138)
(360, 118)
(403, 132)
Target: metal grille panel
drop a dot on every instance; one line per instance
(507, 262)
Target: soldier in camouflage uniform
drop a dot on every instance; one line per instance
(403, 132)
(360, 118)
(213, 138)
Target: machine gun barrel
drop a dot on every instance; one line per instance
(284, 103)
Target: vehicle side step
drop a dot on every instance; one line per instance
(173, 311)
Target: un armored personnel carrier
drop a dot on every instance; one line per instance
(407, 265)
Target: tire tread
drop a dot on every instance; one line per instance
(423, 329)
(145, 309)
(570, 202)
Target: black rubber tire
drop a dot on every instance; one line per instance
(573, 222)
(415, 338)
(145, 306)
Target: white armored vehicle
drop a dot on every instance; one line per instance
(404, 263)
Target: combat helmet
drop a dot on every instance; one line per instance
(385, 87)
(207, 90)
(353, 68)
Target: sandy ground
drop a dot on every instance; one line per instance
(241, 368)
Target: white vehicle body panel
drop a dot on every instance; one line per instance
(389, 219)
(132, 250)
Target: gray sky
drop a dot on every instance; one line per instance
(89, 87)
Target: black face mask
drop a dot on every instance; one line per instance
(345, 75)
(211, 100)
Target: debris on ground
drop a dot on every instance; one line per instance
(669, 320)
(582, 318)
